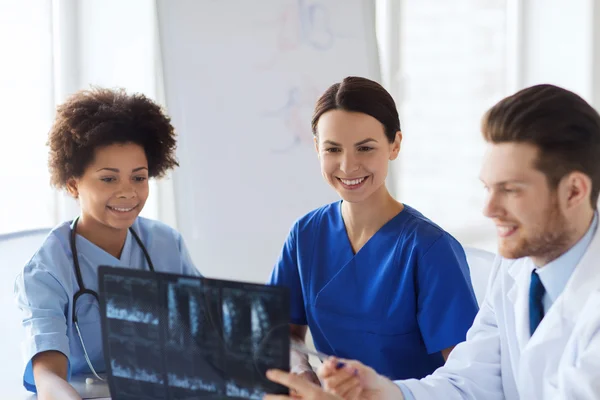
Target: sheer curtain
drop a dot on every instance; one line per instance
(54, 48)
(26, 106)
(446, 63)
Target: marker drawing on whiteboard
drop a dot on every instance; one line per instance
(303, 23)
(295, 114)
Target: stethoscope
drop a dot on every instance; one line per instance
(82, 290)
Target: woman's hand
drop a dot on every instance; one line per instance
(310, 376)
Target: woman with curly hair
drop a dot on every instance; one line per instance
(104, 146)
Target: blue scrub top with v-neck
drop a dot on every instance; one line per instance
(405, 296)
(45, 288)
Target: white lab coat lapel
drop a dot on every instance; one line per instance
(540, 359)
(518, 295)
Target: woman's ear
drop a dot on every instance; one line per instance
(72, 187)
(395, 146)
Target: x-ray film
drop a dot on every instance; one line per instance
(169, 336)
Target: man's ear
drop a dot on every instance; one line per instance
(575, 189)
(73, 187)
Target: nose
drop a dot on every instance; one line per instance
(492, 207)
(348, 163)
(126, 191)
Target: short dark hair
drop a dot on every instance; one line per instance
(89, 119)
(362, 95)
(563, 126)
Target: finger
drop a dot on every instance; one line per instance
(354, 394)
(294, 382)
(276, 397)
(327, 367)
(344, 389)
(330, 367)
(310, 376)
(367, 375)
(333, 382)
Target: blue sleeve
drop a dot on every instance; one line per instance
(43, 302)
(446, 302)
(408, 395)
(286, 273)
(187, 265)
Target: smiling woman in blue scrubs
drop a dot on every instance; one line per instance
(372, 278)
(104, 146)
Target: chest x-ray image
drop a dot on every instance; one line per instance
(168, 336)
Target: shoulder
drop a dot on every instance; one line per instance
(423, 233)
(54, 255)
(313, 219)
(151, 230)
(55, 246)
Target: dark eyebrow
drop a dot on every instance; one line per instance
(356, 144)
(117, 169)
(511, 182)
(365, 141)
(504, 183)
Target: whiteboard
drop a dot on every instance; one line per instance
(241, 79)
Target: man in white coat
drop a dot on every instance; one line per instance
(537, 334)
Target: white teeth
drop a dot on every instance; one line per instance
(122, 209)
(505, 229)
(352, 182)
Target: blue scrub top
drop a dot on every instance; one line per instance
(44, 290)
(405, 296)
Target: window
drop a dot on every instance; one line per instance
(27, 109)
(50, 50)
(453, 67)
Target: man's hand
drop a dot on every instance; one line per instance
(339, 378)
(305, 389)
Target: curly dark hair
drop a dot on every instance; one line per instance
(99, 117)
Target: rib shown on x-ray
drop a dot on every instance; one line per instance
(179, 337)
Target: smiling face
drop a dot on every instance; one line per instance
(527, 212)
(354, 153)
(113, 188)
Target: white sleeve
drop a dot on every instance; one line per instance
(473, 370)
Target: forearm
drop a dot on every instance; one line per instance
(51, 386)
(50, 374)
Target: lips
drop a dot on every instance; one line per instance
(353, 182)
(122, 209)
(505, 231)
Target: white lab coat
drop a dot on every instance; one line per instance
(499, 359)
